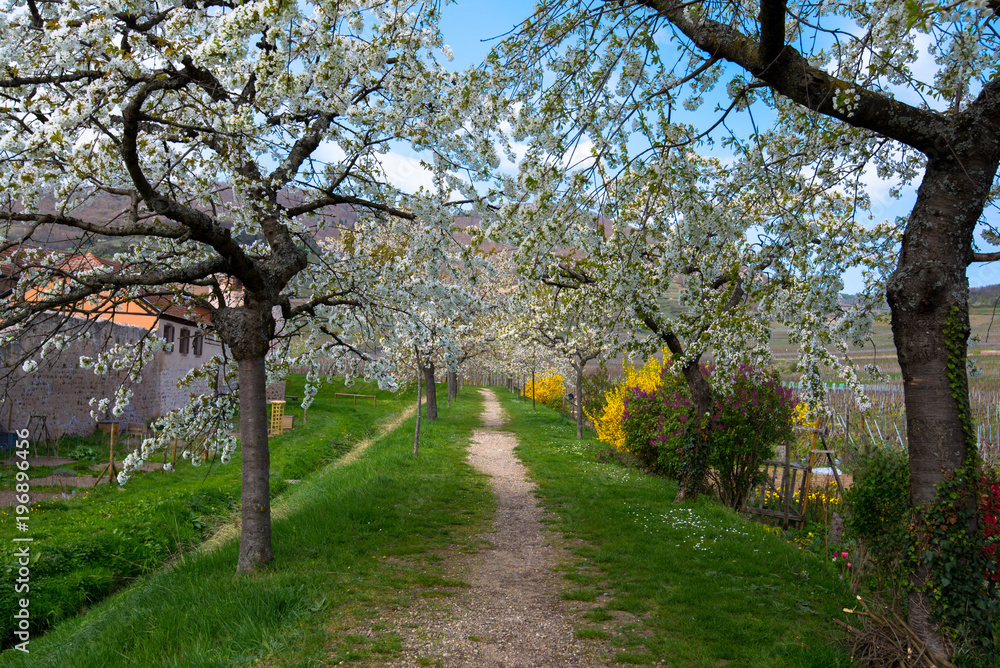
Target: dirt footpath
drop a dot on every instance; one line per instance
(512, 615)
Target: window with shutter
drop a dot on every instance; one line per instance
(168, 337)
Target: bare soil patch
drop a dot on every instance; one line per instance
(38, 461)
(65, 481)
(8, 497)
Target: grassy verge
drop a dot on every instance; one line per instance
(97, 542)
(351, 541)
(688, 585)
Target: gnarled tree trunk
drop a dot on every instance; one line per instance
(928, 294)
(698, 386)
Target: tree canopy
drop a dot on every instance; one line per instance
(616, 103)
(234, 135)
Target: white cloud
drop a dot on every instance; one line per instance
(580, 156)
(406, 173)
(402, 171)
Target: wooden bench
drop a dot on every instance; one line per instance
(112, 427)
(363, 396)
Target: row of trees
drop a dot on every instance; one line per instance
(811, 99)
(238, 137)
(243, 140)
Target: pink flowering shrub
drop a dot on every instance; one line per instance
(746, 422)
(654, 422)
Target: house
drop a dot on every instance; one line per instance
(60, 389)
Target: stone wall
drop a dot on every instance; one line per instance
(174, 365)
(61, 390)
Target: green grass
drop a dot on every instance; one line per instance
(684, 586)
(590, 633)
(195, 613)
(698, 584)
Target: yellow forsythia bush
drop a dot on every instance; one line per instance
(548, 389)
(803, 442)
(802, 416)
(647, 378)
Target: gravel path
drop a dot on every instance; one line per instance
(511, 615)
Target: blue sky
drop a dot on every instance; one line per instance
(472, 27)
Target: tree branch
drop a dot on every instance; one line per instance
(986, 257)
(202, 227)
(332, 199)
(326, 300)
(161, 230)
(790, 74)
(772, 31)
(17, 82)
(95, 284)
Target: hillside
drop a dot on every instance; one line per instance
(106, 208)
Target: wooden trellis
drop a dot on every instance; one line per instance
(277, 413)
(784, 497)
(781, 497)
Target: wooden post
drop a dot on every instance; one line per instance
(111, 474)
(808, 481)
(43, 433)
(786, 486)
(103, 471)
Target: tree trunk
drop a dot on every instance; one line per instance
(248, 330)
(255, 495)
(416, 432)
(579, 402)
(452, 386)
(430, 390)
(533, 390)
(698, 386)
(701, 399)
(928, 295)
